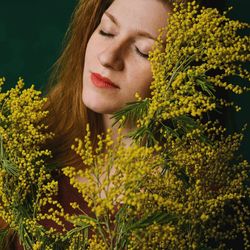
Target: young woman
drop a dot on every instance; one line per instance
(101, 68)
(104, 63)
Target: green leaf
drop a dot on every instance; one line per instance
(3, 233)
(76, 230)
(158, 217)
(132, 111)
(205, 85)
(10, 167)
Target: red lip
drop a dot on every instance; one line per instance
(101, 82)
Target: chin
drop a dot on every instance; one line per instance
(99, 107)
(101, 110)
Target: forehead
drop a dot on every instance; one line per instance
(149, 15)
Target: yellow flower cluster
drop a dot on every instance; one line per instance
(176, 196)
(186, 190)
(26, 185)
(113, 177)
(210, 183)
(195, 54)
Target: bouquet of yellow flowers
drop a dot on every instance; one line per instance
(179, 185)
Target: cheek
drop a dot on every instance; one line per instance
(89, 52)
(92, 48)
(143, 79)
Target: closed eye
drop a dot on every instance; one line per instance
(101, 32)
(140, 53)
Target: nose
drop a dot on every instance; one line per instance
(111, 57)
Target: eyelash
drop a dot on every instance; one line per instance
(140, 53)
(101, 32)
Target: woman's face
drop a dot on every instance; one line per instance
(116, 64)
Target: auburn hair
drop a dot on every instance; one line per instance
(68, 116)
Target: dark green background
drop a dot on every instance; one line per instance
(31, 34)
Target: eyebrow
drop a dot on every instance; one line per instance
(140, 32)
